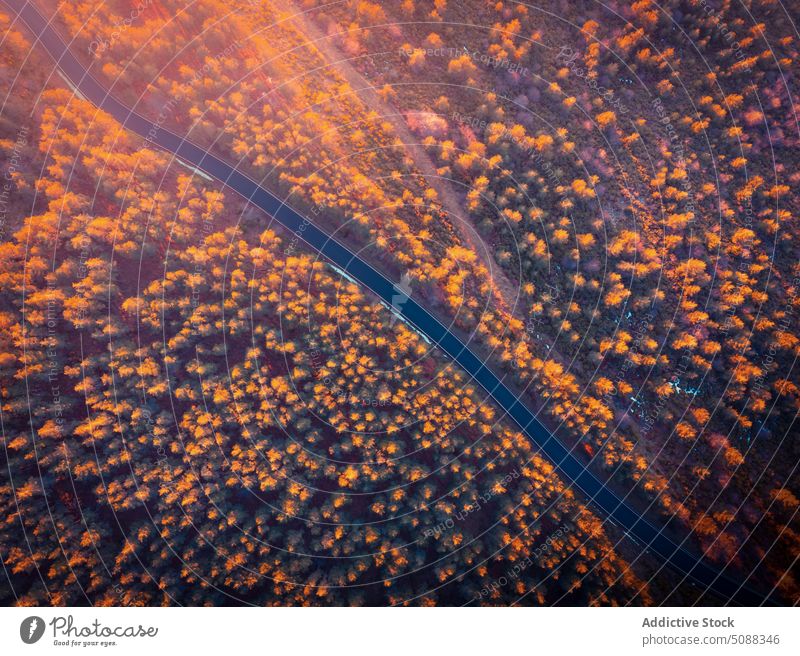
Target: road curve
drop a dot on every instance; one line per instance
(567, 465)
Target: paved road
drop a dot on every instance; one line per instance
(568, 466)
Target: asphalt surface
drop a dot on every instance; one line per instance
(568, 466)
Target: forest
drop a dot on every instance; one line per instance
(197, 409)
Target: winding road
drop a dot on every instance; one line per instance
(567, 465)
